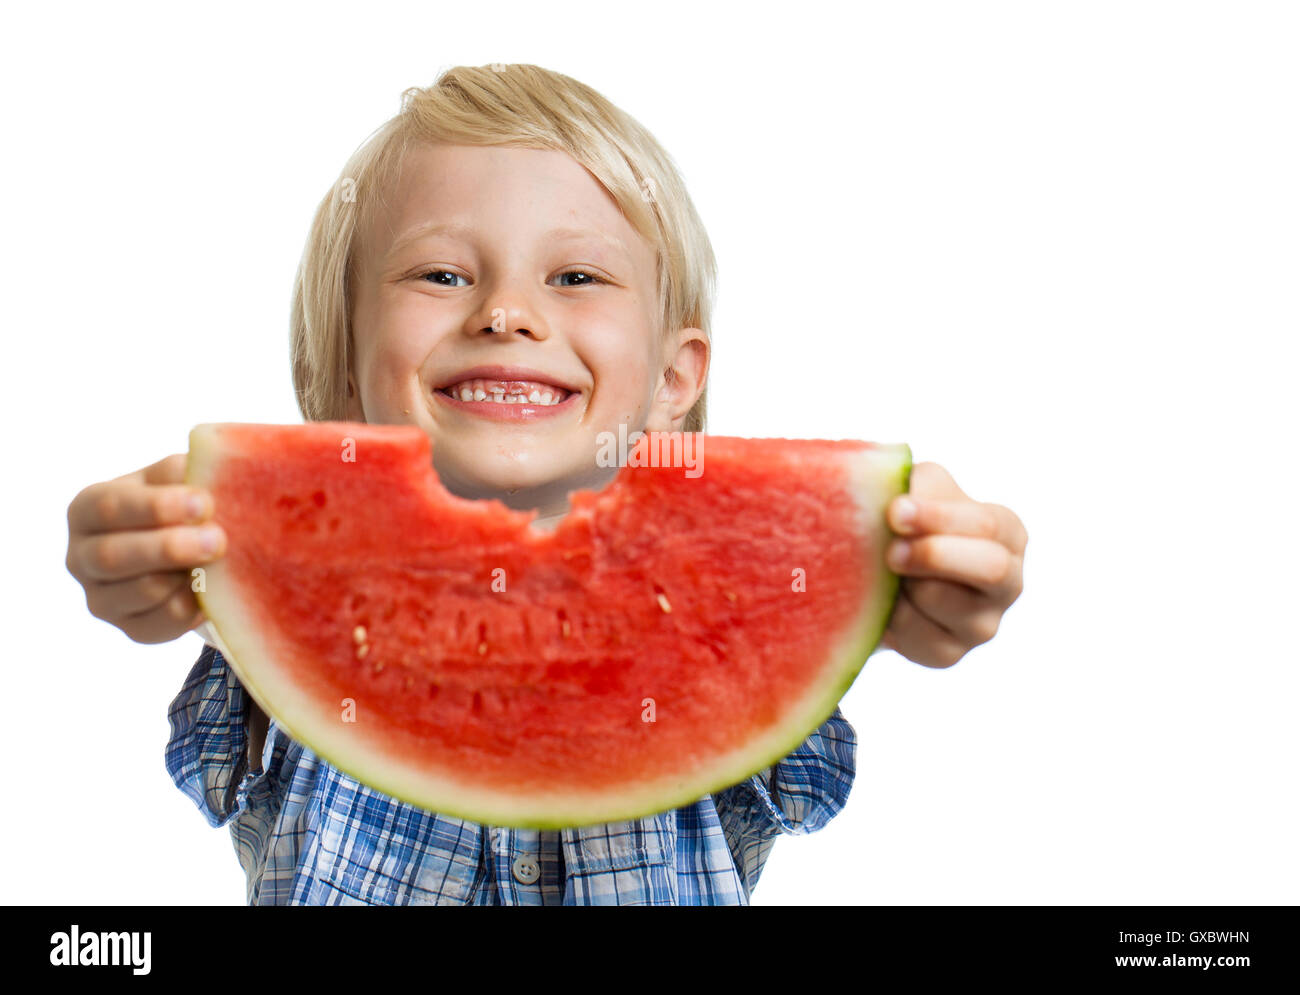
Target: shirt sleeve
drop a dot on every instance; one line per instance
(207, 754)
(797, 795)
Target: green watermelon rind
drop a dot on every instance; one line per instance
(873, 630)
(314, 725)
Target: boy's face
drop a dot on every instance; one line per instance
(423, 320)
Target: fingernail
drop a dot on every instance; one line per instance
(899, 554)
(195, 506)
(906, 513)
(210, 539)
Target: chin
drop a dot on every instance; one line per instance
(473, 475)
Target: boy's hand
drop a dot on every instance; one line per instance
(962, 569)
(132, 543)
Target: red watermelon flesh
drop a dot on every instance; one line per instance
(676, 633)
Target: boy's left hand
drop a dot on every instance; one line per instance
(963, 569)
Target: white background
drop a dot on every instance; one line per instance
(1053, 246)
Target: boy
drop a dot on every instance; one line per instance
(514, 265)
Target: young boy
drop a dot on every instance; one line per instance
(514, 265)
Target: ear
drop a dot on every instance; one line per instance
(681, 382)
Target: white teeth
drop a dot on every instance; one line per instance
(483, 390)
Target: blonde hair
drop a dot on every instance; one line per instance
(516, 106)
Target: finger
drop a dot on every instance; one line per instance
(1016, 530)
(983, 564)
(123, 555)
(920, 639)
(910, 515)
(969, 615)
(168, 470)
(114, 507)
(930, 480)
(176, 616)
(123, 598)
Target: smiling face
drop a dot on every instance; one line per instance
(512, 273)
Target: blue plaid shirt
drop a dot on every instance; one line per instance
(308, 834)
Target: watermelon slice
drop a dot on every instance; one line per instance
(677, 632)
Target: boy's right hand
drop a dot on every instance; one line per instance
(132, 544)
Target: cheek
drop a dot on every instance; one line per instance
(389, 377)
(623, 386)
(622, 360)
(383, 393)
(395, 354)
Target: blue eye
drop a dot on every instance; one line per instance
(573, 272)
(582, 272)
(433, 272)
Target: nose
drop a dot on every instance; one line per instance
(505, 320)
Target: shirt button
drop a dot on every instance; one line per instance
(526, 870)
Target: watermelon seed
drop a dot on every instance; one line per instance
(663, 602)
(731, 596)
(359, 634)
(362, 650)
(379, 665)
(482, 648)
(564, 628)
